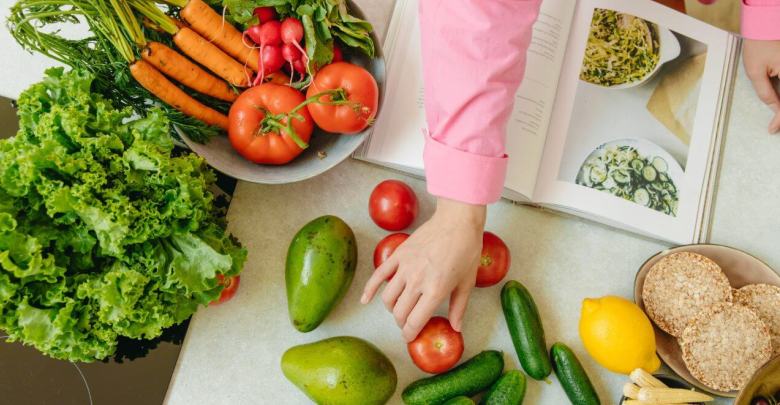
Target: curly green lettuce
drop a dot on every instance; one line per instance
(103, 233)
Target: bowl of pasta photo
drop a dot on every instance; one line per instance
(625, 51)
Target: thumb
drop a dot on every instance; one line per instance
(458, 303)
(766, 91)
(774, 126)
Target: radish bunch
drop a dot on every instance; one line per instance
(280, 42)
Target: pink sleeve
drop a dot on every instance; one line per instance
(761, 19)
(474, 54)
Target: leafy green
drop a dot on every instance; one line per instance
(323, 20)
(102, 232)
(34, 25)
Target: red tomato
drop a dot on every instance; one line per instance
(392, 205)
(231, 286)
(387, 246)
(437, 348)
(495, 260)
(250, 117)
(349, 112)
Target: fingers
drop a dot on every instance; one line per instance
(392, 291)
(762, 83)
(774, 126)
(404, 305)
(458, 303)
(380, 275)
(420, 315)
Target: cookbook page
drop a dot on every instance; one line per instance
(635, 117)
(397, 139)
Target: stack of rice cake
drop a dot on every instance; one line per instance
(725, 334)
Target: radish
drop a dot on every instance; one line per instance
(271, 61)
(290, 53)
(270, 33)
(300, 66)
(267, 34)
(265, 14)
(338, 56)
(253, 33)
(292, 33)
(292, 30)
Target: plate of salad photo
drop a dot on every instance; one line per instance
(635, 170)
(625, 51)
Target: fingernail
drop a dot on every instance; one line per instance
(363, 299)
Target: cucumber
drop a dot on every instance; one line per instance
(461, 400)
(525, 327)
(572, 376)
(649, 173)
(469, 378)
(642, 197)
(508, 390)
(660, 165)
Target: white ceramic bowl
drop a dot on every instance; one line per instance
(645, 149)
(740, 268)
(669, 49)
(324, 152)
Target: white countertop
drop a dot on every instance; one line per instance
(231, 353)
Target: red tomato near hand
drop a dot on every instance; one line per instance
(437, 348)
(386, 247)
(348, 113)
(231, 286)
(393, 205)
(250, 131)
(495, 260)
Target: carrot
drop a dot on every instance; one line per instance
(179, 68)
(197, 48)
(194, 45)
(157, 84)
(212, 26)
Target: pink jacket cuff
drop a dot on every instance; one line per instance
(462, 176)
(761, 19)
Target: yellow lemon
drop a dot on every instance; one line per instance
(618, 335)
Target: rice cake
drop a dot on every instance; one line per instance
(681, 285)
(764, 300)
(724, 345)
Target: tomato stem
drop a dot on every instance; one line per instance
(282, 122)
(337, 97)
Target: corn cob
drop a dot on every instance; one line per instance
(671, 395)
(638, 402)
(631, 390)
(645, 380)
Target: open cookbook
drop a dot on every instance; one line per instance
(619, 117)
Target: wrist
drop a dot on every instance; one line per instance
(457, 211)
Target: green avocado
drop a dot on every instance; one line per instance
(341, 370)
(320, 266)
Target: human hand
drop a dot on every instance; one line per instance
(439, 260)
(762, 63)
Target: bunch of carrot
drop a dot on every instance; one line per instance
(208, 40)
(203, 36)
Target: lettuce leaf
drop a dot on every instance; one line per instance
(103, 232)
